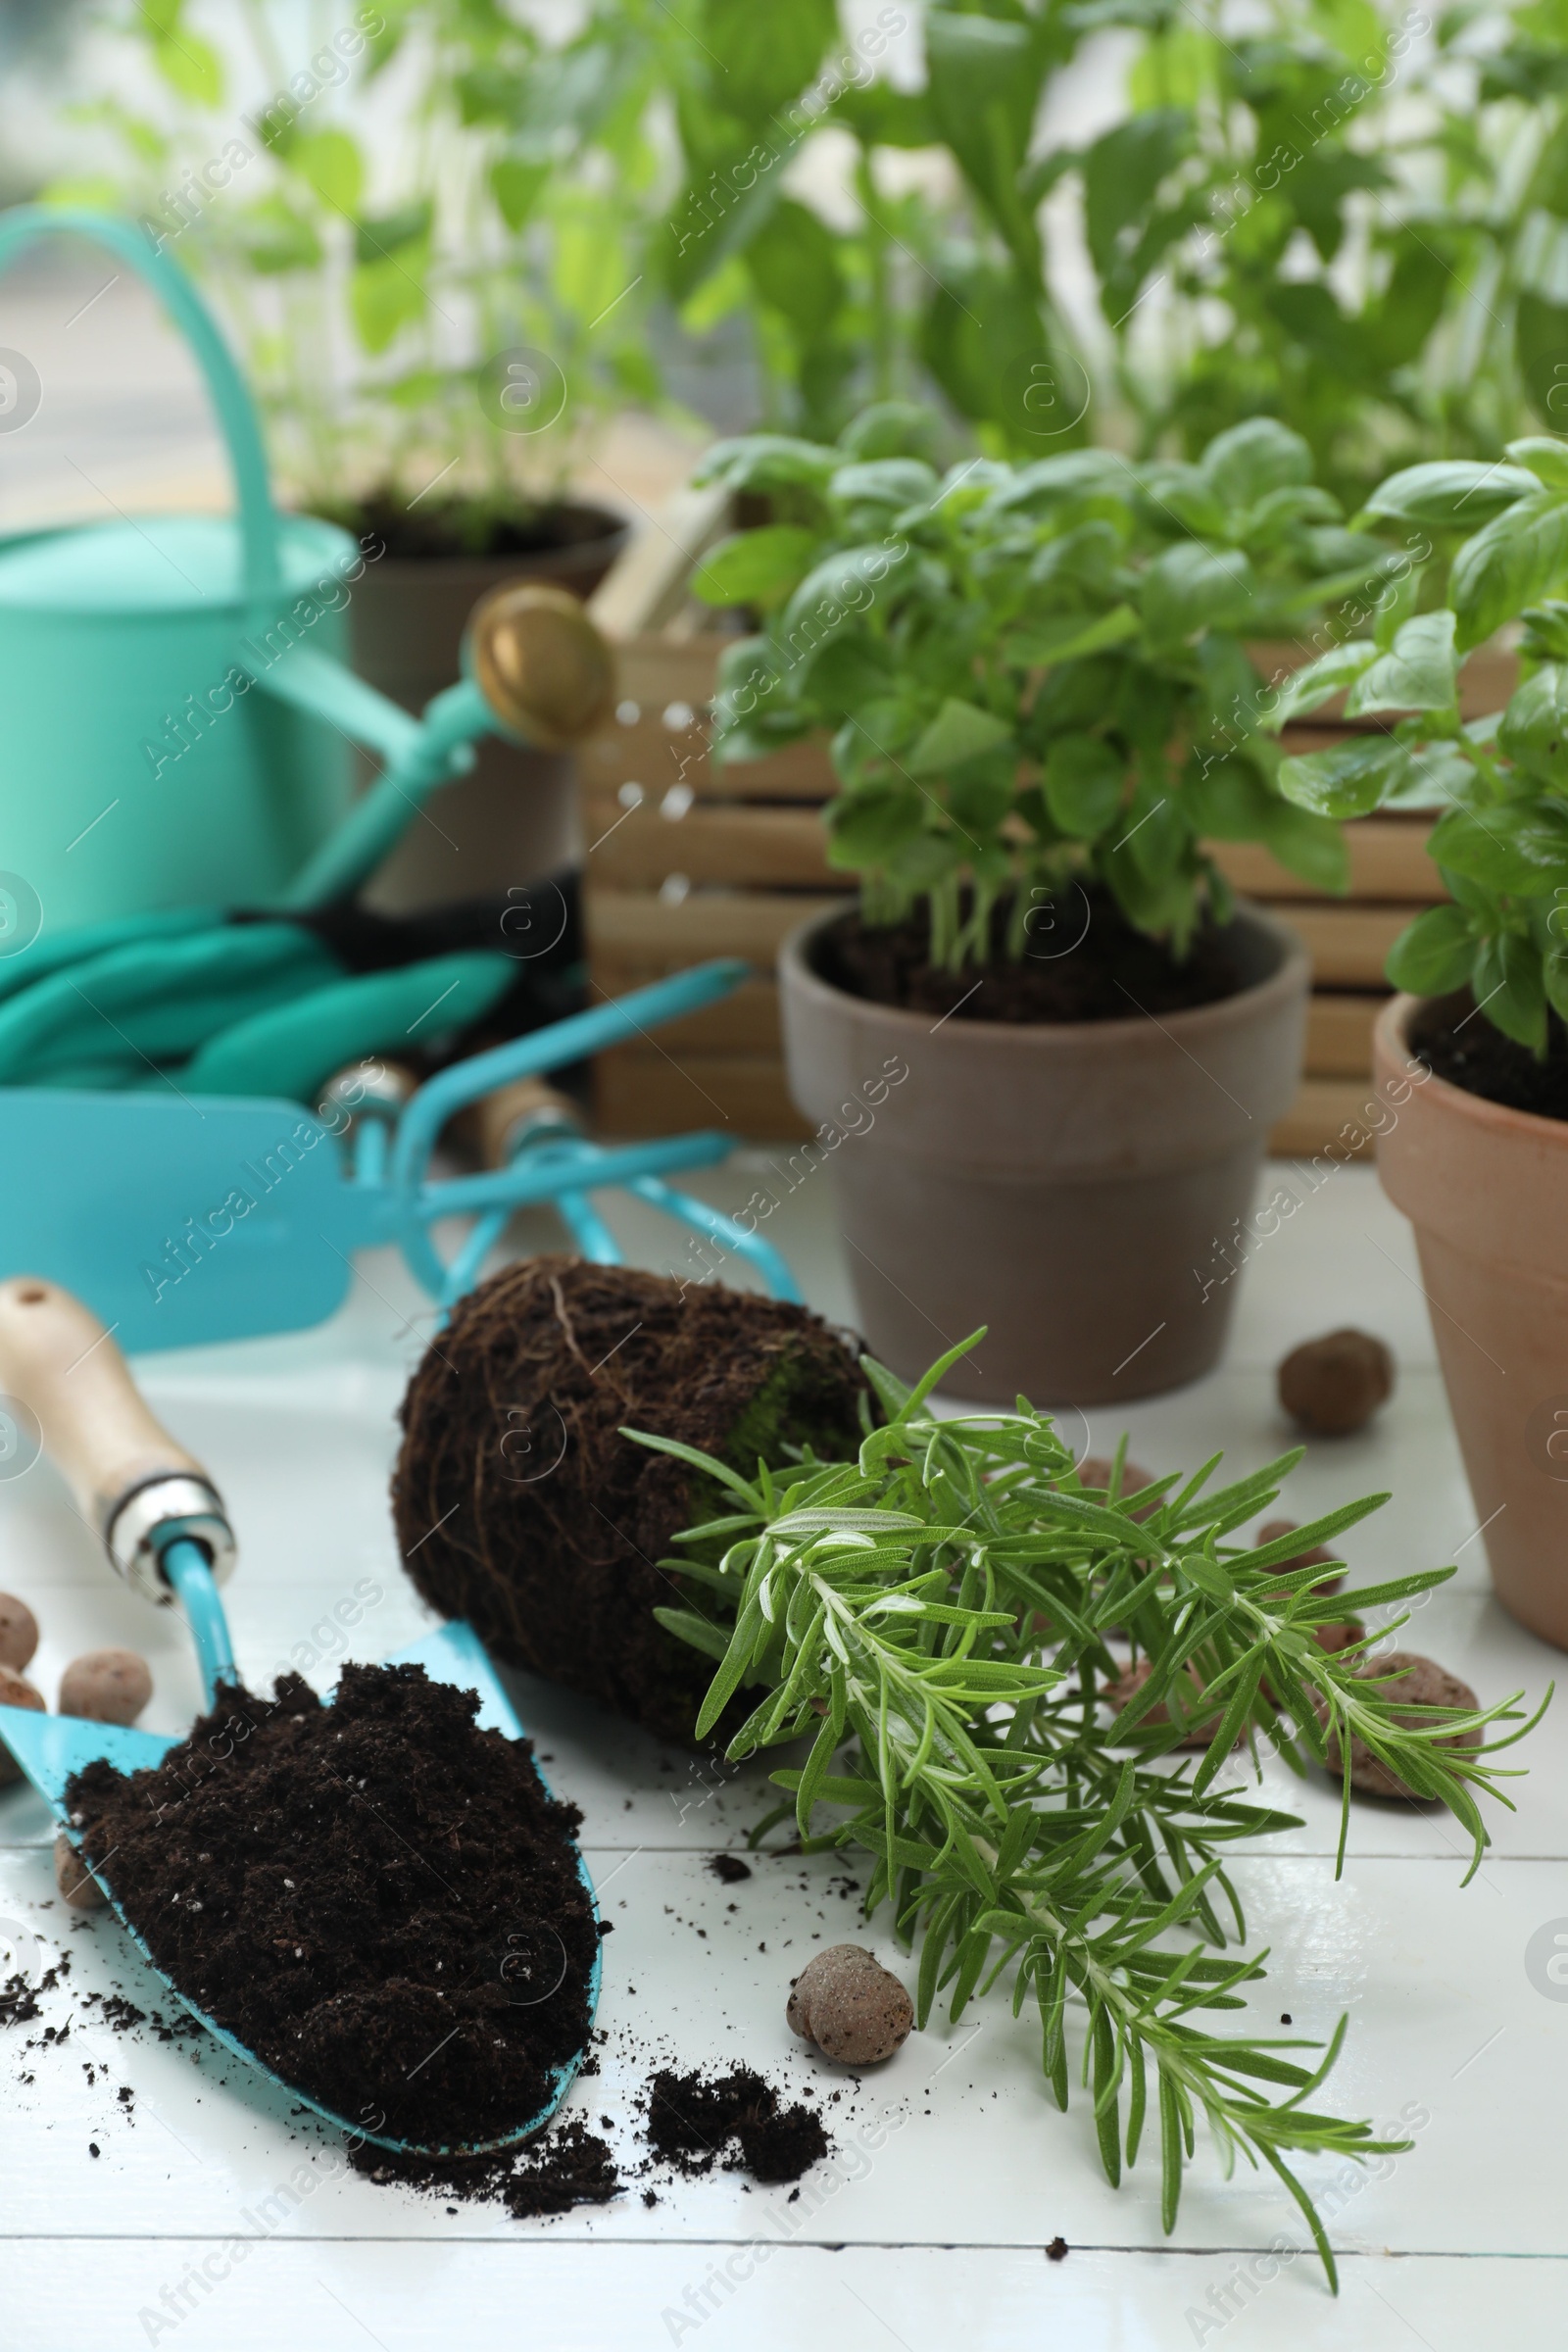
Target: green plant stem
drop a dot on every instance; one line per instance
(933, 1618)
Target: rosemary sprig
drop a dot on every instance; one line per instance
(934, 1617)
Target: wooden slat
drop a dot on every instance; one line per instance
(1487, 681)
(757, 847)
(655, 670)
(1338, 1031)
(747, 848)
(1301, 736)
(659, 750)
(639, 1092)
(661, 745)
(1326, 1111)
(1338, 1034)
(668, 683)
(628, 925)
(1388, 860)
(745, 1022)
(1349, 944)
(646, 588)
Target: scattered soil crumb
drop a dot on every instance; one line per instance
(570, 2166)
(692, 2123)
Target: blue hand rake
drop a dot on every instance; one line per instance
(181, 1221)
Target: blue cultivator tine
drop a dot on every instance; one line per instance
(723, 1230)
(566, 1172)
(588, 1230)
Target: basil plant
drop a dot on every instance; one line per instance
(1501, 781)
(1035, 676)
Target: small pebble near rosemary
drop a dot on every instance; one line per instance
(855, 2010)
(934, 1617)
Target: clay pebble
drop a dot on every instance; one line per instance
(1333, 1385)
(1319, 1556)
(18, 1632)
(1095, 1475)
(16, 1692)
(1120, 1693)
(1417, 1682)
(855, 2010)
(73, 1879)
(105, 1685)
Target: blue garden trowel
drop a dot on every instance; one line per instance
(167, 1533)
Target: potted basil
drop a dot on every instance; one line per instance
(1477, 1154)
(1042, 709)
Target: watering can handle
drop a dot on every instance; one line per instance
(26, 223)
(132, 1484)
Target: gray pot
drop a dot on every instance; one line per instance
(513, 818)
(1069, 1184)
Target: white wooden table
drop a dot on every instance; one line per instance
(954, 2170)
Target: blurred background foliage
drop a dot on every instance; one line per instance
(1346, 214)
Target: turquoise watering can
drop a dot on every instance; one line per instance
(150, 758)
(127, 835)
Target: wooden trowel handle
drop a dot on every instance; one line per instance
(130, 1480)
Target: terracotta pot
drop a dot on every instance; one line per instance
(513, 818)
(1483, 1186)
(1063, 1183)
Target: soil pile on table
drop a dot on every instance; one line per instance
(737, 2120)
(376, 1897)
(521, 1507)
(1468, 1053)
(1082, 960)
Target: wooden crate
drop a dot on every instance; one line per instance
(685, 860)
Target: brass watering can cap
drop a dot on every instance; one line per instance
(545, 670)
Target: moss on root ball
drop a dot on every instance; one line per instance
(521, 1506)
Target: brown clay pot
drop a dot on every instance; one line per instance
(1064, 1183)
(1483, 1186)
(513, 817)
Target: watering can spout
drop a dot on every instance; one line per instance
(536, 670)
(547, 675)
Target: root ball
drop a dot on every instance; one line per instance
(520, 1506)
